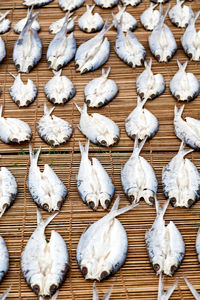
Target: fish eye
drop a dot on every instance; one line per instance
(36, 289)
(156, 267)
(53, 289)
(104, 274)
(84, 271)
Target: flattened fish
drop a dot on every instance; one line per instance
(90, 22)
(128, 21)
(150, 17)
(97, 128)
(138, 177)
(165, 244)
(103, 246)
(180, 15)
(181, 180)
(45, 263)
(20, 25)
(46, 188)
(4, 23)
(93, 182)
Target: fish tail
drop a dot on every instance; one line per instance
(1, 110)
(160, 287)
(122, 210)
(90, 8)
(4, 15)
(161, 210)
(163, 15)
(137, 148)
(106, 27)
(30, 19)
(54, 297)
(183, 151)
(154, 5)
(84, 150)
(48, 111)
(192, 289)
(95, 292)
(34, 157)
(44, 223)
(178, 113)
(182, 67)
(171, 290)
(84, 110)
(3, 297)
(196, 16)
(106, 73)
(116, 204)
(57, 73)
(107, 295)
(11, 74)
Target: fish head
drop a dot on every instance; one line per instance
(92, 200)
(132, 194)
(95, 269)
(44, 284)
(148, 196)
(108, 139)
(105, 200)
(171, 265)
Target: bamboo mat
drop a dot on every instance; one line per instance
(136, 279)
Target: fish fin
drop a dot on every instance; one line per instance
(84, 150)
(3, 211)
(116, 204)
(11, 74)
(90, 8)
(106, 73)
(185, 65)
(171, 290)
(48, 111)
(162, 19)
(185, 152)
(154, 5)
(4, 295)
(57, 73)
(160, 287)
(178, 112)
(106, 27)
(107, 295)
(42, 222)
(115, 213)
(161, 210)
(1, 110)
(196, 16)
(41, 298)
(138, 147)
(54, 297)
(192, 289)
(83, 110)
(30, 19)
(95, 292)
(34, 157)
(140, 102)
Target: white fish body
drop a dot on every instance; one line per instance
(90, 22)
(93, 182)
(53, 130)
(59, 89)
(181, 180)
(160, 1)
(93, 53)
(128, 48)
(95, 293)
(192, 289)
(161, 41)
(184, 86)
(5, 294)
(4, 23)
(148, 85)
(46, 188)
(106, 3)
(19, 26)
(70, 5)
(13, 130)
(190, 40)
(141, 122)
(22, 94)
(45, 264)
(8, 189)
(56, 26)
(138, 177)
(28, 48)
(36, 3)
(61, 49)
(165, 295)
(180, 15)
(2, 49)
(4, 261)
(98, 128)
(165, 245)
(100, 90)
(103, 246)
(198, 245)
(131, 2)
(150, 17)
(187, 130)
(128, 21)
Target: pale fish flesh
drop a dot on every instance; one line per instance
(138, 177)
(165, 295)
(93, 182)
(165, 245)
(192, 289)
(98, 128)
(56, 26)
(181, 180)
(187, 131)
(101, 90)
(36, 3)
(103, 246)
(53, 130)
(62, 48)
(190, 40)
(70, 5)
(2, 49)
(46, 188)
(59, 89)
(141, 122)
(8, 190)
(4, 261)
(90, 22)
(27, 50)
(161, 41)
(106, 3)
(45, 263)
(148, 85)
(13, 130)
(150, 17)
(128, 21)
(93, 53)
(23, 94)
(4, 23)
(96, 295)
(184, 86)
(19, 26)
(180, 15)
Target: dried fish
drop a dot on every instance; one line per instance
(106, 3)
(101, 90)
(141, 122)
(148, 85)
(165, 244)
(4, 262)
(93, 53)
(23, 94)
(19, 26)
(5, 24)
(103, 246)
(98, 128)
(13, 130)
(59, 89)
(138, 177)
(61, 49)
(184, 86)
(2, 50)
(181, 180)
(160, 1)
(128, 21)
(165, 295)
(70, 5)
(45, 263)
(150, 17)
(53, 130)
(131, 2)
(187, 131)
(90, 22)
(95, 293)
(180, 15)
(46, 188)
(56, 26)
(36, 3)
(93, 182)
